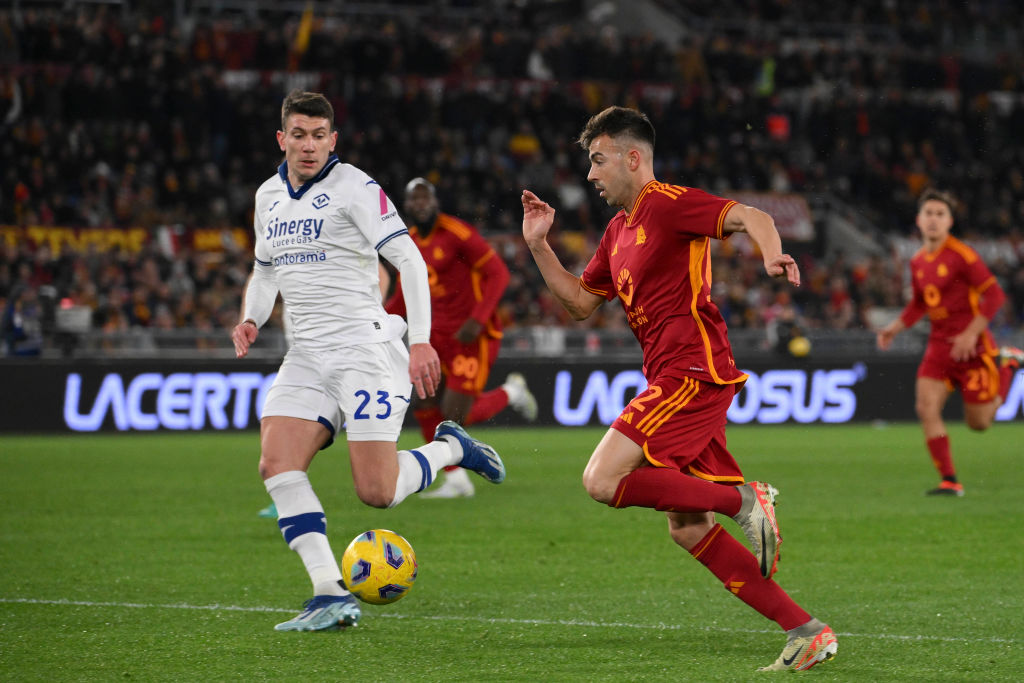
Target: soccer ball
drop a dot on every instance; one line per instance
(379, 566)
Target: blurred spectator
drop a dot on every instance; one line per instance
(129, 119)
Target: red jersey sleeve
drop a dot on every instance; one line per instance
(915, 308)
(984, 283)
(695, 212)
(489, 276)
(597, 276)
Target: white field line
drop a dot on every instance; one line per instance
(497, 620)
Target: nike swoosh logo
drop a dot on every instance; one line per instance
(789, 661)
(402, 397)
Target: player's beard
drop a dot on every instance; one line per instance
(427, 225)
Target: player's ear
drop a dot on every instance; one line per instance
(334, 139)
(280, 139)
(634, 159)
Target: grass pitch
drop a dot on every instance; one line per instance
(142, 558)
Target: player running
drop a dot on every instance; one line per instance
(320, 226)
(467, 281)
(666, 450)
(960, 295)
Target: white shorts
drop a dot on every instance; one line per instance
(366, 386)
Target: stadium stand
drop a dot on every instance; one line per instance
(133, 141)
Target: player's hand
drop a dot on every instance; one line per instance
(469, 331)
(243, 336)
(783, 265)
(537, 218)
(424, 369)
(884, 337)
(965, 346)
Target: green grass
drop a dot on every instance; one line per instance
(114, 548)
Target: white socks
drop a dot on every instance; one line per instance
(418, 467)
(304, 527)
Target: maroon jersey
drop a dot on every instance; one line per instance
(467, 278)
(656, 260)
(952, 285)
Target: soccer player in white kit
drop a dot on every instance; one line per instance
(320, 225)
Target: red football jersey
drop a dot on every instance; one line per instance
(656, 260)
(467, 277)
(952, 285)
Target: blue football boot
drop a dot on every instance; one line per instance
(324, 612)
(476, 455)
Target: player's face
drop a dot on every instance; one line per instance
(609, 170)
(306, 144)
(934, 220)
(421, 205)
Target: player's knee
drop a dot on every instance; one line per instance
(269, 467)
(978, 424)
(376, 496)
(598, 487)
(687, 536)
(925, 410)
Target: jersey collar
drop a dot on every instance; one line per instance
(649, 187)
(282, 171)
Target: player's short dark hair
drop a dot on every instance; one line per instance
(618, 122)
(311, 104)
(932, 194)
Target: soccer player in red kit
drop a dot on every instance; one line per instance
(667, 450)
(960, 295)
(467, 280)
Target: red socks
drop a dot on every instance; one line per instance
(487, 405)
(736, 567)
(670, 490)
(941, 456)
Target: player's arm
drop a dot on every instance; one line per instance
(424, 365)
(567, 288)
(490, 274)
(257, 305)
(991, 299)
(761, 228)
(910, 314)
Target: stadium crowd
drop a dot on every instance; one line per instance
(120, 119)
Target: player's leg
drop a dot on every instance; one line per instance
(372, 388)
(674, 425)
(809, 641)
(466, 368)
(1010, 360)
(288, 445)
(513, 393)
(986, 386)
(930, 395)
(299, 418)
(455, 406)
(618, 475)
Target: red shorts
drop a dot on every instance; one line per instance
(680, 423)
(466, 367)
(977, 378)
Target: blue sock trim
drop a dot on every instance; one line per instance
(427, 477)
(306, 523)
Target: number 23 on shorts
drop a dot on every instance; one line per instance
(379, 408)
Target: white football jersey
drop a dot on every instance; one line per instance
(322, 240)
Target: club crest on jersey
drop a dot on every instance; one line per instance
(320, 201)
(641, 236)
